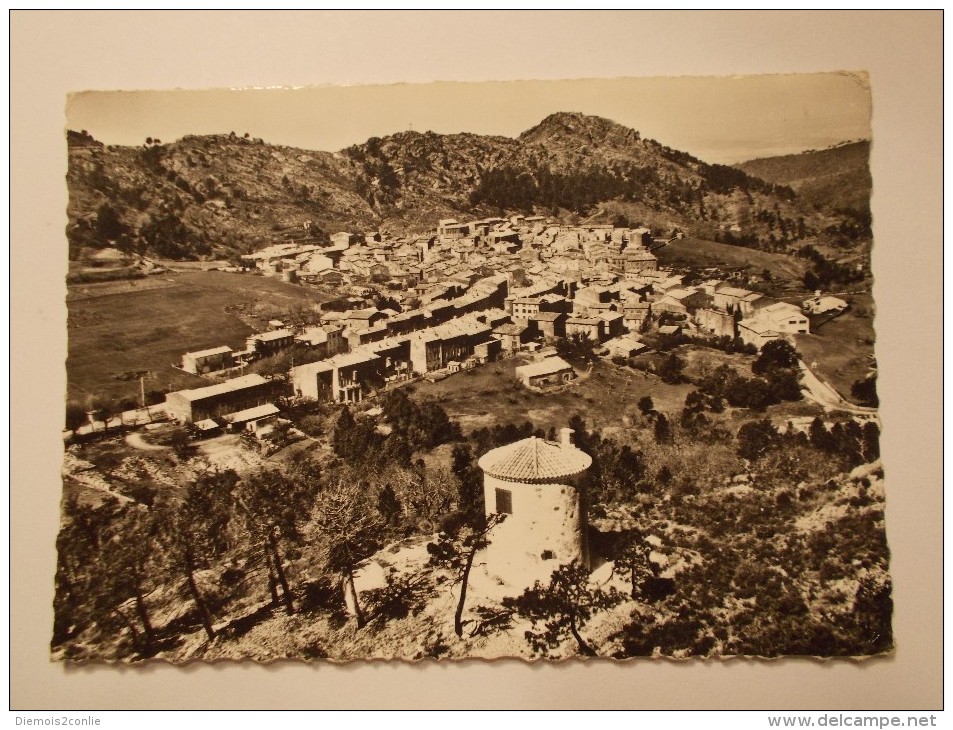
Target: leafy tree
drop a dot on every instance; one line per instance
(784, 384)
(693, 414)
(756, 438)
(865, 391)
(646, 406)
(851, 441)
(820, 437)
(871, 437)
(423, 425)
(618, 470)
(397, 407)
(775, 354)
(663, 432)
(397, 450)
(457, 553)
(752, 393)
(873, 610)
(470, 492)
(75, 416)
(181, 444)
(577, 346)
(388, 504)
(167, 236)
(355, 442)
(104, 408)
(84, 531)
(432, 426)
(631, 555)
(563, 607)
(108, 225)
(670, 371)
(352, 531)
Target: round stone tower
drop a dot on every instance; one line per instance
(535, 483)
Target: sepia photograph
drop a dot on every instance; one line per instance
(542, 370)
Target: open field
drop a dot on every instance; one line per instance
(492, 395)
(701, 360)
(88, 290)
(697, 251)
(842, 347)
(134, 329)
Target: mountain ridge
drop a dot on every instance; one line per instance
(218, 195)
(837, 177)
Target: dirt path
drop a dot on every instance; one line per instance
(98, 484)
(136, 441)
(823, 393)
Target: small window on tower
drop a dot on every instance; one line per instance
(504, 502)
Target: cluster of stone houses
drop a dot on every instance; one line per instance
(441, 264)
(478, 290)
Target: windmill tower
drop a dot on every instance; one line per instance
(537, 484)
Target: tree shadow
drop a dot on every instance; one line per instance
(241, 625)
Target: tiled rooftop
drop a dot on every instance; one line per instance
(534, 460)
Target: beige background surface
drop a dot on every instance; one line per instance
(53, 53)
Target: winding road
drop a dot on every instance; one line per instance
(823, 393)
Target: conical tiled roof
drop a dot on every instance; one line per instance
(534, 460)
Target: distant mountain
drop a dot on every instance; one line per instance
(217, 195)
(837, 178)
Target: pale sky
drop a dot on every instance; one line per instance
(718, 119)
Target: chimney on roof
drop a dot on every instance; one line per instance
(565, 438)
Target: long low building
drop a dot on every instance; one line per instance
(207, 361)
(221, 399)
(255, 419)
(550, 371)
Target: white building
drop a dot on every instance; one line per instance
(785, 318)
(535, 484)
(822, 305)
(773, 321)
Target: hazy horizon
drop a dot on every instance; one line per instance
(745, 117)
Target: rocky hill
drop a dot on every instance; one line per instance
(831, 179)
(218, 195)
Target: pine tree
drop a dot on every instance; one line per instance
(127, 565)
(457, 552)
(470, 490)
(194, 531)
(563, 607)
(274, 508)
(352, 530)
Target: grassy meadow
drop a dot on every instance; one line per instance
(118, 329)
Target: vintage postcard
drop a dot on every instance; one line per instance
(540, 370)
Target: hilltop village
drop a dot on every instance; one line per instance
(523, 435)
(466, 295)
